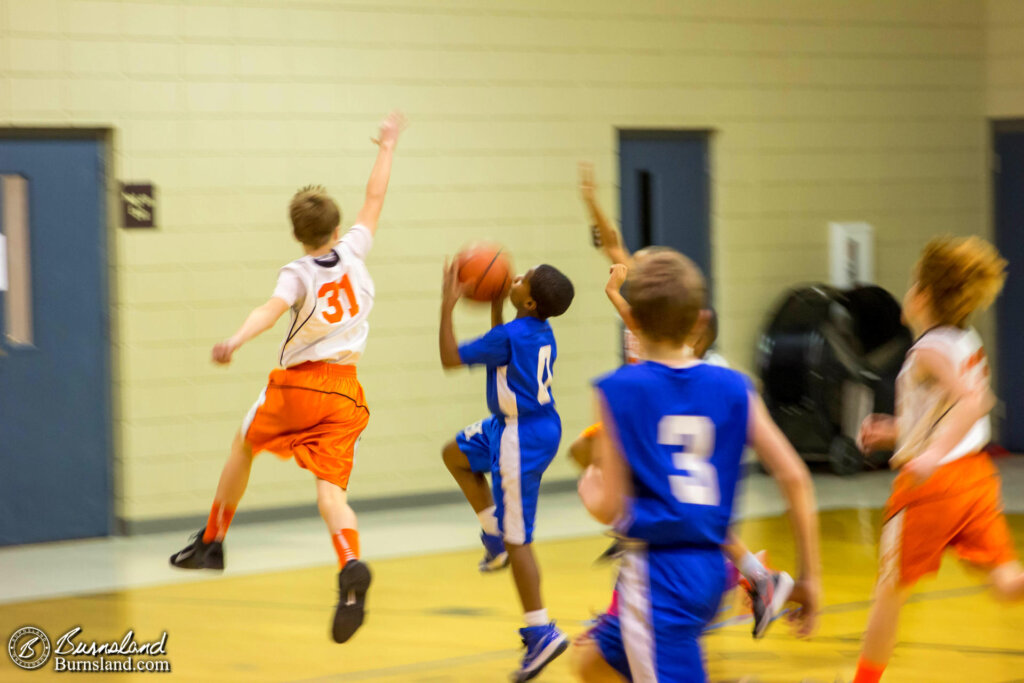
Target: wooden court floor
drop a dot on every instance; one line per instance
(435, 619)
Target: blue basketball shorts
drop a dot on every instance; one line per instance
(667, 597)
(517, 452)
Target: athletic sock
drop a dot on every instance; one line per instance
(217, 525)
(751, 567)
(488, 521)
(868, 671)
(536, 618)
(346, 544)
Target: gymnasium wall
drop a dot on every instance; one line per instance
(871, 110)
(1005, 58)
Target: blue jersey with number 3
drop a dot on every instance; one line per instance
(682, 431)
(519, 356)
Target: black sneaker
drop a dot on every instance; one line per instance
(768, 594)
(614, 551)
(353, 582)
(199, 555)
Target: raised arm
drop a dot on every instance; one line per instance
(616, 277)
(261, 319)
(377, 186)
(794, 481)
(611, 241)
(451, 290)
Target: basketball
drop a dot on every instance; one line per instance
(486, 268)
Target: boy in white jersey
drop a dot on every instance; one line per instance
(313, 408)
(947, 493)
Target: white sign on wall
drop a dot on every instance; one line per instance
(851, 254)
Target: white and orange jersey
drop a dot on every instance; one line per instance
(921, 403)
(331, 297)
(631, 351)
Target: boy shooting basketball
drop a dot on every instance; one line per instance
(947, 494)
(313, 408)
(518, 442)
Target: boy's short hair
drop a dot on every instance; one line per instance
(552, 291)
(666, 295)
(314, 215)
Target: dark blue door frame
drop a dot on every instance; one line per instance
(1008, 208)
(56, 426)
(665, 191)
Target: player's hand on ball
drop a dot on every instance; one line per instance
(616, 277)
(451, 289)
(807, 594)
(390, 129)
(223, 351)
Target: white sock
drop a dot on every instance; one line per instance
(536, 618)
(751, 567)
(488, 522)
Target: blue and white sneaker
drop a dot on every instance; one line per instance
(496, 557)
(543, 644)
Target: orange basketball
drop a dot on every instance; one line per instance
(487, 270)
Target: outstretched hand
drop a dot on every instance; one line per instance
(222, 351)
(616, 277)
(877, 433)
(390, 128)
(807, 594)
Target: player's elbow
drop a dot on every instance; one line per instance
(450, 361)
(792, 474)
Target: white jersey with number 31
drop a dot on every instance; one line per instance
(331, 297)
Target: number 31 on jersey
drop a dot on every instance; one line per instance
(336, 309)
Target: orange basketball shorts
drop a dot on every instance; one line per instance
(314, 413)
(958, 507)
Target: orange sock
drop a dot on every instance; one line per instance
(346, 544)
(868, 671)
(217, 525)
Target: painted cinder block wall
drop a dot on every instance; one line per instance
(871, 110)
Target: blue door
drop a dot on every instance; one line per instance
(665, 192)
(55, 446)
(1009, 209)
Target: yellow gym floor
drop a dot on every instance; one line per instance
(436, 619)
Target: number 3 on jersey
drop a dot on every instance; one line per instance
(544, 375)
(334, 312)
(696, 434)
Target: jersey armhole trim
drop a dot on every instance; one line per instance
(293, 331)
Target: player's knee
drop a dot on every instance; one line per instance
(586, 662)
(240, 445)
(1008, 582)
(580, 451)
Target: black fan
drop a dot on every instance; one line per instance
(828, 358)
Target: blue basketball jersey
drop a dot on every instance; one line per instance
(682, 431)
(519, 356)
